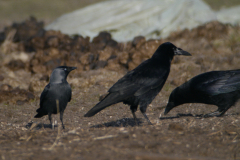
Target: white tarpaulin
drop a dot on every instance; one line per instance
(229, 15)
(125, 19)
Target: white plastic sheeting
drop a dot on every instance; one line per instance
(125, 19)
(229, 15)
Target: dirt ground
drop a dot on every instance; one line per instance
(28, 57)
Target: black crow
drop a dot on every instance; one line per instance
(57, 93)
(220, 88)
(141, 85)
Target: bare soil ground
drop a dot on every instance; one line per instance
(27, 61)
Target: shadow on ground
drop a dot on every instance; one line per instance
(180, 115)
(125, 122)
(199, 116)
(31, 125)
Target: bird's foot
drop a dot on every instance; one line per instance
(149, 122)
(213, 114)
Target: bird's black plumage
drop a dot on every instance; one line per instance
(220, 88)
(141, 85)
(57, 89)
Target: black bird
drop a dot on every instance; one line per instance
(57, 91)
(141, 85)
(220, 88)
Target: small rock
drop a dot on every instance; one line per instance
(138, 41)
(6, 87)
(16, 65)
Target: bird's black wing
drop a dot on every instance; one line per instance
(69, 92)
(43, 94)
(141, 80)
(219, 82)
(70, 97)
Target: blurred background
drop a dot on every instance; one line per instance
(47, 11)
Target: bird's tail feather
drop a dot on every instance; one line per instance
(111, 98)
(39, 115)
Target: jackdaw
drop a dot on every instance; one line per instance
(57, 93)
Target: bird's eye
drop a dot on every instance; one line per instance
(65, 69)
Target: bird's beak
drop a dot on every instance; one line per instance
(179, 51)
(168, 108)
(72, 68)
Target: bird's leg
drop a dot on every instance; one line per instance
(212, 114)
(134, 116)
(134, 109)
(50, 119)
(61, 118)
(223, 111)
(149, 122)
(216, 113)
(143, 110)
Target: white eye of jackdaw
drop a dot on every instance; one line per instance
(65, 69)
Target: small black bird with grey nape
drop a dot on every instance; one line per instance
(220, 88)
(57, 93)
(141, 85)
